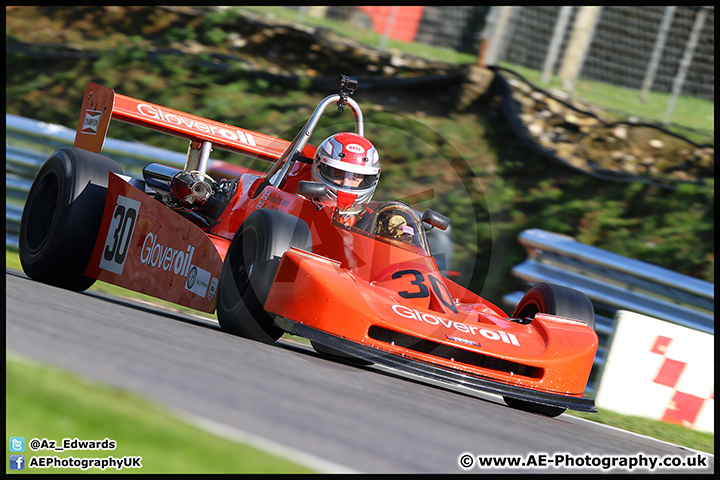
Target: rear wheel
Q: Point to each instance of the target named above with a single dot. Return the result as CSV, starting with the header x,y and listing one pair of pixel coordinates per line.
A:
x,y
62,215
249,269
555,300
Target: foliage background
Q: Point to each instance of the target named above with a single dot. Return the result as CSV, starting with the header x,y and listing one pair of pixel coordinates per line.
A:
x,y
461,161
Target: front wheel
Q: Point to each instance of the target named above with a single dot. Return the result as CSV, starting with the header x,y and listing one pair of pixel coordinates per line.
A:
x,y
249,270
555,300
62,215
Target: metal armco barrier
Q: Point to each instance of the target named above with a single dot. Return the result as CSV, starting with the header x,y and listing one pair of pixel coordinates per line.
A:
x,y
28,143
614,282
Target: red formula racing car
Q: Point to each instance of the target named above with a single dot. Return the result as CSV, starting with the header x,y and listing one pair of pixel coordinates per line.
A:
x,y
271,254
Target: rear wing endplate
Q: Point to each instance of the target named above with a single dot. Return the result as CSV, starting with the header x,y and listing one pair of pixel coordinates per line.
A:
x,y
101,103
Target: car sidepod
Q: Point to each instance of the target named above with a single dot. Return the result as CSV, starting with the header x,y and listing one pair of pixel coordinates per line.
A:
x,y
144,246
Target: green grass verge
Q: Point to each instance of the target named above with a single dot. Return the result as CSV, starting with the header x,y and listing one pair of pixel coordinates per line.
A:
x,y
663,431
677,434
691,112
45,402
366,36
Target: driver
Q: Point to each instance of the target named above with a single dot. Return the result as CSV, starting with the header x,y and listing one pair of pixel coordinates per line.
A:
x,y
393,225
350,167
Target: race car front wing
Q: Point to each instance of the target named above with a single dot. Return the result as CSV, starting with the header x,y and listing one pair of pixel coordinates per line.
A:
x,y
434,372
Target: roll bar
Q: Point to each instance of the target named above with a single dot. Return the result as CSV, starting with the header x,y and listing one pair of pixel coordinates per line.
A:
x,y
277,174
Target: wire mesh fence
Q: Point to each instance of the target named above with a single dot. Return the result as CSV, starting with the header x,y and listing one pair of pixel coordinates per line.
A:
x,y
666,49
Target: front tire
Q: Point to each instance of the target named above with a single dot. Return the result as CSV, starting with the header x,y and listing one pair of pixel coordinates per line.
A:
x,y
555,300
61,218
249,270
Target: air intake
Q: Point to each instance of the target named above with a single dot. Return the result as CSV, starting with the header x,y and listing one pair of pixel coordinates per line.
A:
x,y
455,354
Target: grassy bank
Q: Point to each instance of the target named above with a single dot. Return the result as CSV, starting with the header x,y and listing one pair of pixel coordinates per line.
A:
x,y
466,164
89,411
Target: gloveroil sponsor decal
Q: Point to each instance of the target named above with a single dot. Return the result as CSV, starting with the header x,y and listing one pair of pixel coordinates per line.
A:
x,y
166,258
455,327
153,252
119,235
178,261
91,122
193,124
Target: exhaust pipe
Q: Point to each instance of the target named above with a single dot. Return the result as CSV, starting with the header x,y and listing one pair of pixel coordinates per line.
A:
x,y
188,187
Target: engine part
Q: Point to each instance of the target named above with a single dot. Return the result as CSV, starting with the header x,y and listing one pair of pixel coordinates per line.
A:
x,y
192,188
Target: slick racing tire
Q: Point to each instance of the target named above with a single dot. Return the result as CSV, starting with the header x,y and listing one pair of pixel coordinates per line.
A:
x,y
61,218
249,269
555,300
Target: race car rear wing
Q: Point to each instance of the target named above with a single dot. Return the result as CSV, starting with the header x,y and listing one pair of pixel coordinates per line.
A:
x,y
101,103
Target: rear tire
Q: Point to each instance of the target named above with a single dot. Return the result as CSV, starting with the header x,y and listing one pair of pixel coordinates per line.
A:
x,y
249,270
555,300
62,215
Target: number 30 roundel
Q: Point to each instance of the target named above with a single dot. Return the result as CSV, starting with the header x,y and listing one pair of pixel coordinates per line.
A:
x,y
422,290
119,235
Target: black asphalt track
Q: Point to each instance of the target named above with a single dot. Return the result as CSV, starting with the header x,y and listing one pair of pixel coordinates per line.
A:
x,y
358,418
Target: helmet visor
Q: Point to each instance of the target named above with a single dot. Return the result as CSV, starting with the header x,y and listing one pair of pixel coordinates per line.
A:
x,y
346,180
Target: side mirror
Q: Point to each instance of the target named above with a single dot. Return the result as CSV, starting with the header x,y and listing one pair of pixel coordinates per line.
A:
x,y
433,218
312,189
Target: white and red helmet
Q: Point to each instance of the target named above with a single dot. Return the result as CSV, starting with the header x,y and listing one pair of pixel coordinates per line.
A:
x,y
350,167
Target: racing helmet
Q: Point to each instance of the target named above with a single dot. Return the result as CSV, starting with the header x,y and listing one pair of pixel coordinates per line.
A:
x,y
350,167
